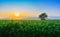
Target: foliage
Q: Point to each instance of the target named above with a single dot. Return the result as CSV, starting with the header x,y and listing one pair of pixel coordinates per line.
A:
x,y
29,28
43,16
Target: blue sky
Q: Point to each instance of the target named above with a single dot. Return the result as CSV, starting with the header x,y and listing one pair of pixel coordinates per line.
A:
x,y
51,7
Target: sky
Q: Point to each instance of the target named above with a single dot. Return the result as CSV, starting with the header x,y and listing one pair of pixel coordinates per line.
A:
x,y
29,8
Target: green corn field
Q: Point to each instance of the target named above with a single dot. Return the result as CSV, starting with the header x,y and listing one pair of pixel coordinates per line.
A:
x,y
29,28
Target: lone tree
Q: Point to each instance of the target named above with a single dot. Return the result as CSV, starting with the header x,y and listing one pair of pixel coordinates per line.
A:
x,y
43,16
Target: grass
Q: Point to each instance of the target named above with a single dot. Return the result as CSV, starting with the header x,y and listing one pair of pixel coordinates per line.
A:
x,y
29,28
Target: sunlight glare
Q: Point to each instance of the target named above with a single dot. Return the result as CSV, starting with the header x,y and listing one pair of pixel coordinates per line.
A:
x,y
17,14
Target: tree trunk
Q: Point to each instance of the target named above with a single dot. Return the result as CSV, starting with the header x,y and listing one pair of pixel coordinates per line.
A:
x,y
43,19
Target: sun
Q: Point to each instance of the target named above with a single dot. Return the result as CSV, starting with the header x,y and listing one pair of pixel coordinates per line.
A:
x,y
17,14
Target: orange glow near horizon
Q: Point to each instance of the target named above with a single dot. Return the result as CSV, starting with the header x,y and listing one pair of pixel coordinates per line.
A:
x,y
16,15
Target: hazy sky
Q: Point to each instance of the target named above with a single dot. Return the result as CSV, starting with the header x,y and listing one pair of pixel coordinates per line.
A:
x,y
29,7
